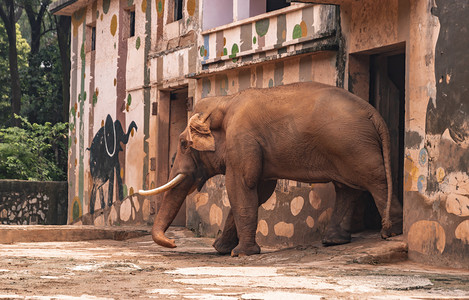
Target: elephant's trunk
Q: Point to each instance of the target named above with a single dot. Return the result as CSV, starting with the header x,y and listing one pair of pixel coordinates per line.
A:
x,y
125,138
172,202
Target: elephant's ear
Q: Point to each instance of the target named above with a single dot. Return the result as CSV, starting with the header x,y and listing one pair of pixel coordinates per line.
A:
x,y
200,135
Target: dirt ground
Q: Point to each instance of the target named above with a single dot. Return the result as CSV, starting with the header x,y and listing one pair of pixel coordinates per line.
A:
x,y
139,269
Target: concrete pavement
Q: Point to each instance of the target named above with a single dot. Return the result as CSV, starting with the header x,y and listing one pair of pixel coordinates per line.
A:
x,y
136,268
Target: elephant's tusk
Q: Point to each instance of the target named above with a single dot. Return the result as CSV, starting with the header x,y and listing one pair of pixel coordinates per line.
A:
x,y
175,181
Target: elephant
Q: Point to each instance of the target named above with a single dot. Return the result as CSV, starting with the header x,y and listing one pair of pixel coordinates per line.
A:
x,y
104,159
308,132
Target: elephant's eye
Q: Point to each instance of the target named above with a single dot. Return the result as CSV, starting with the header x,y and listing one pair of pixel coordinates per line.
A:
x,y
184,144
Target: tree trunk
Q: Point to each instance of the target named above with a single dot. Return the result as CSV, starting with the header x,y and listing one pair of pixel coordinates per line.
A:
x,y
9,20
63,24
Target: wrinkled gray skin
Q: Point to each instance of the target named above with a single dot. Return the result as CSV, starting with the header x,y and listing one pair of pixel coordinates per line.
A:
x,y
307,132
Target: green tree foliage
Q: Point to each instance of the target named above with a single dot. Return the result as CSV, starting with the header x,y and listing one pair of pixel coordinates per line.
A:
x,y
5,88
42,86
33,152
35,148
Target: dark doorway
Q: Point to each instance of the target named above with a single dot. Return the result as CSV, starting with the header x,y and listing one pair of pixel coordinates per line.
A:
x,y
378,76
387,94
177,123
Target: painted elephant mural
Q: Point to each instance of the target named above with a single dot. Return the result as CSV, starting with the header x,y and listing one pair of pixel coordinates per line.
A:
x,y
450,110
104,160
307,132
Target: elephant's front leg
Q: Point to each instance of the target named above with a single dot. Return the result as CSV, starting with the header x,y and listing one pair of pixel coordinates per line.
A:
x,y
244,205
228,240
345,199
110,193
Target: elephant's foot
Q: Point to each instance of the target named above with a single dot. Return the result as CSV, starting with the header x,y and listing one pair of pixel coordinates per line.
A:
x,y
336,236
224,246
396,229
241,250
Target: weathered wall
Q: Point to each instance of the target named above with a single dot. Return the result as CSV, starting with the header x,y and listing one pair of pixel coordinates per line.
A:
x,y
125,86
436,120
33,202
109,117
437,223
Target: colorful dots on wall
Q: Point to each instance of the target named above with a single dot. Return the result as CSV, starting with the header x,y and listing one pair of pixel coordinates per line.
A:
x,y
300,30
129,102
284,229
421,183
216,215
77,19
427,237
203,51
234,52
82,52
77,210
113,25
190,7
73,110
423,156
271,82
296,205
462,232
263,227
106,5
160,7
440,174
262,27
95,96
137,43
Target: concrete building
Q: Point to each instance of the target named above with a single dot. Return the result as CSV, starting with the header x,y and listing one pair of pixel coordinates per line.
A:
x,y
138,66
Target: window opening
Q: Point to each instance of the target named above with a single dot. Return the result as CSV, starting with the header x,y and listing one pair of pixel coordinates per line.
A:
x,y
132,23
93,38
177,10
276,4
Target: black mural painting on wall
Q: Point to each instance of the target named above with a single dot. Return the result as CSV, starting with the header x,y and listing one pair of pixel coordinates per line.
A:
x,y
104,159
450,109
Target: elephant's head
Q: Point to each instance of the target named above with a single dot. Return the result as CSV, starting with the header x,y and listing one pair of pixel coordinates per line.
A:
x,y
200,155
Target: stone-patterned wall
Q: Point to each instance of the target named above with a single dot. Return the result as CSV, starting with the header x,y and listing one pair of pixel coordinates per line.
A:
x,y
296,213
31,202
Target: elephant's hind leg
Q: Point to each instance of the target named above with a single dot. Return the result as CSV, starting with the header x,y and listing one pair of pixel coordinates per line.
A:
x,y
228,240
345,198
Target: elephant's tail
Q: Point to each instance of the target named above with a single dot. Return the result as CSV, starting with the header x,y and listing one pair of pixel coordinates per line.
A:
x,y
383,132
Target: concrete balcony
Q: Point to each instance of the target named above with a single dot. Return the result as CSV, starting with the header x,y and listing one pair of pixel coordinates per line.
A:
x,y
294,30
